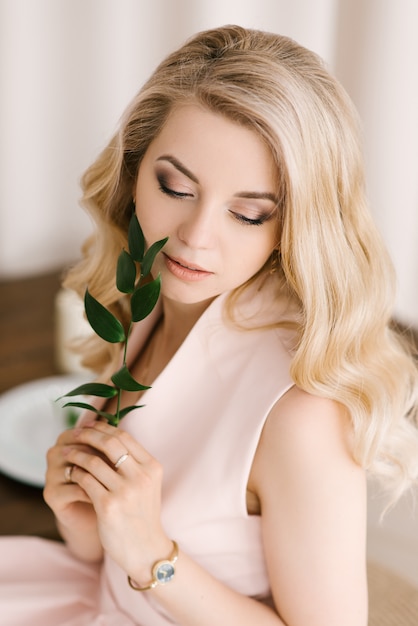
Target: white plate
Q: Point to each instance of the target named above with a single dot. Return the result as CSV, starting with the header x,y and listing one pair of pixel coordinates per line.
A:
x,y
30,422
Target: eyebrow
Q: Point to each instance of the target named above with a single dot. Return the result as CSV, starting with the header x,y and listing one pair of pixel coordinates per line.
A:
x,y
179,166
252,195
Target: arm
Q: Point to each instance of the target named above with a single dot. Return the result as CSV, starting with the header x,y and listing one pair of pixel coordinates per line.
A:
x,y
313,501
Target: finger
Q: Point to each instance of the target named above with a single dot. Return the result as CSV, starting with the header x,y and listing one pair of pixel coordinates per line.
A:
x,y
75,493
91,464
69,435
83,448
108,441
58,497
59,484
127,442
59,470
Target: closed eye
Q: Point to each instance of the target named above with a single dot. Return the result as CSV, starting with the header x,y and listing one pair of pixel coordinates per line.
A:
x,y
248,220
172,192
252,221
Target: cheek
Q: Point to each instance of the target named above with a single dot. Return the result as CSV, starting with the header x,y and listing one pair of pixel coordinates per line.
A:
x,y
146,199
248,260
257,249
147,213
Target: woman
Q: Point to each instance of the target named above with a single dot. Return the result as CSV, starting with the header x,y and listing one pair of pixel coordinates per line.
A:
x,y
237,494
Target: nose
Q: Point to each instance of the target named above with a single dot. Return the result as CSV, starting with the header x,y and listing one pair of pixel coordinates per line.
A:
x,y
199,227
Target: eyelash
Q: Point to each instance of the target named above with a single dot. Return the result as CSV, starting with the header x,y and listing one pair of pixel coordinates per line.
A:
x,y
248,221
178,195
171,192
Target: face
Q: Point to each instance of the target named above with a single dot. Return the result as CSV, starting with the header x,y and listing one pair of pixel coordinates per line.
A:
x,y
209,185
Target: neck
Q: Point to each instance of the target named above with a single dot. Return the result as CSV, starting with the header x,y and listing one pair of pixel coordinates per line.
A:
x,y
179,319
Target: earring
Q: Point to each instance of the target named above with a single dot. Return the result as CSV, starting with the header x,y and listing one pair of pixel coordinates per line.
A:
x,y
274,261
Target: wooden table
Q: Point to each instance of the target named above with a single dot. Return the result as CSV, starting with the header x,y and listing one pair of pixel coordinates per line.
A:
x,y
26,353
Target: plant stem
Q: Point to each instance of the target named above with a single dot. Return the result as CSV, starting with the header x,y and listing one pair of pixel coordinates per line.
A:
x,y
125,350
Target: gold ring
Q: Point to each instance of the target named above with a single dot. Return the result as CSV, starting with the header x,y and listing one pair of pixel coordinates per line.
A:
x,y
121,460
67,473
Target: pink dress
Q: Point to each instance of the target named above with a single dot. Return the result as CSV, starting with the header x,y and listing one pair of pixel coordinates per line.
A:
x,y
202,420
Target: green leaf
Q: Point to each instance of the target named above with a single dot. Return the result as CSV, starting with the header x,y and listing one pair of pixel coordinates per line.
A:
x,y
125,273
150,255
144,299
125,381
102,321
128,409
93,389
89,407
136,239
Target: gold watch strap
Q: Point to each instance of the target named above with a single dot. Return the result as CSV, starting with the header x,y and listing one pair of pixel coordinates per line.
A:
x,y
171,560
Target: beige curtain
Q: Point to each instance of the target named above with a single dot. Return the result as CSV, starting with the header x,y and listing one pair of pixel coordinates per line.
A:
x,y
69,67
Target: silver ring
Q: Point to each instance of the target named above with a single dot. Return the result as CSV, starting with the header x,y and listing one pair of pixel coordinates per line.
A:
x,y
121,460
67,473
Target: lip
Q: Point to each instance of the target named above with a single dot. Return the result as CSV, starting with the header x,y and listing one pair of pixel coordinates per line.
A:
x,y
185,270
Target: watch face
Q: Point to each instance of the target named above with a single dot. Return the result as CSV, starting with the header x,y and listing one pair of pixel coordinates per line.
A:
x,y
164,572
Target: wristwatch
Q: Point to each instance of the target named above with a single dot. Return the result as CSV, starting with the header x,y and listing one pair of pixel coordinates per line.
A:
x,y
162,571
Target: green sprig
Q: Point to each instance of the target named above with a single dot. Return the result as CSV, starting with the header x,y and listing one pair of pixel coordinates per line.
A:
x,y
144,297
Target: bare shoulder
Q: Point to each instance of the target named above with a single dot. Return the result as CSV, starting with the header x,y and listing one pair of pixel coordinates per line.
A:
x,y
303,429
312,497
305,454
297,411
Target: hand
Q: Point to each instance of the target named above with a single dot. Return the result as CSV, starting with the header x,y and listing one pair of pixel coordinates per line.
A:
x,y
126,499
69,502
